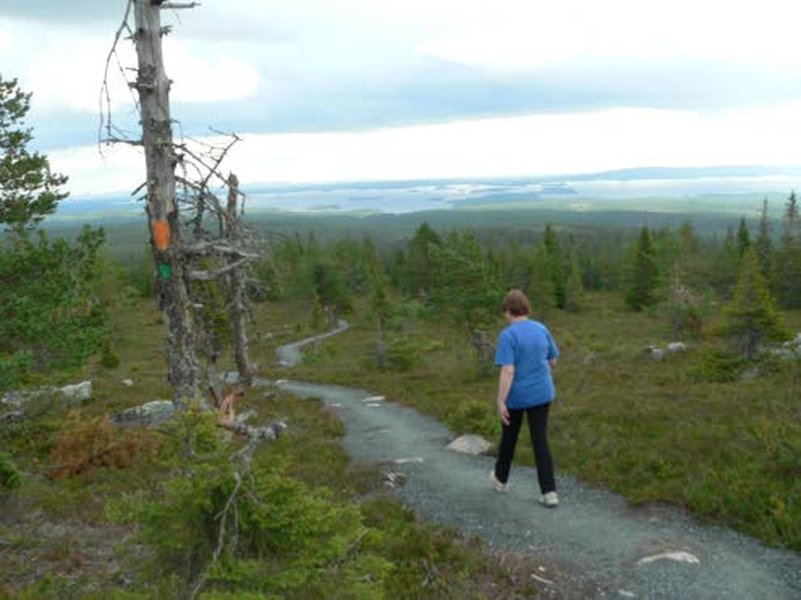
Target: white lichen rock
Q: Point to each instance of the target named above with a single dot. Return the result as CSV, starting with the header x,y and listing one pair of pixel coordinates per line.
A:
x,y
470,444
676,347
150,413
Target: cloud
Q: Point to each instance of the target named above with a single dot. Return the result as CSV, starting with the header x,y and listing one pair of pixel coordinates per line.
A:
x,y
84,11
519,35
527,145
312,66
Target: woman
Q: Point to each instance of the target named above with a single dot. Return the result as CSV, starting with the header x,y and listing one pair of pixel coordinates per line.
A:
x,y
526,353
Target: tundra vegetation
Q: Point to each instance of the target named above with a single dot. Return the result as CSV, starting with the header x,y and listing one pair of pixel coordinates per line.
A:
x,y
94,510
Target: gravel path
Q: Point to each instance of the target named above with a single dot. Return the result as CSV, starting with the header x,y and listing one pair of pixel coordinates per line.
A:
x,y
593,545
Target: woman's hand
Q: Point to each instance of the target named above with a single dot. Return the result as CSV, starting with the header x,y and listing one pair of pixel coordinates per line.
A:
x,y
503,412
504,385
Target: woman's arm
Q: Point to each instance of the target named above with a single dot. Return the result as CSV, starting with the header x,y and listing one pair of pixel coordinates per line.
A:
x,y
504,385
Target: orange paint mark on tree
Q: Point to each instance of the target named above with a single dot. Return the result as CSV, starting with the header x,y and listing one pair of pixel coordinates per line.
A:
x,y
161,234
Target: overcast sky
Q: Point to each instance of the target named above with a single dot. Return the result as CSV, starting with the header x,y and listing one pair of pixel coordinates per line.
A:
x,y
373,89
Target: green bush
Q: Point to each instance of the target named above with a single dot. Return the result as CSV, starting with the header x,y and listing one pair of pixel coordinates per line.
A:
x,y
139,274
278,536
10,477
51,316
719,367
396,352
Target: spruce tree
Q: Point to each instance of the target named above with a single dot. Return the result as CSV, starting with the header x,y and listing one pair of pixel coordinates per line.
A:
x,y
644,273
540,287
743,238
555,266
379,296
788,258
763,245
574,292
418,264
752,316
726,265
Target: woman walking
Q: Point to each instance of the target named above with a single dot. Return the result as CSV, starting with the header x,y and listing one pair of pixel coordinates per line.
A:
x,y
526,352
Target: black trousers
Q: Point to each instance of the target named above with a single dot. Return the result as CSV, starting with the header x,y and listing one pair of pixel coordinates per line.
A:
x,y
538,428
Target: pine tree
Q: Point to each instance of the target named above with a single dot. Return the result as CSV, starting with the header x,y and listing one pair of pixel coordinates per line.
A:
x,y
752,316
28,190
644,277
464,286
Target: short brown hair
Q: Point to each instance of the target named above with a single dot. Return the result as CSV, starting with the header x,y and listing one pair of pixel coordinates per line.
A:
x,y
516,304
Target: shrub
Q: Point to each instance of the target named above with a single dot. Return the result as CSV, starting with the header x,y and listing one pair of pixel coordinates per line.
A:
x,y
396,352
50,314
686,311
10,477
719,366
217,523
83,445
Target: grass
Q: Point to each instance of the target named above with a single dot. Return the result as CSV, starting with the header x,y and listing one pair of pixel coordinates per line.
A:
x,y
57,538
669,431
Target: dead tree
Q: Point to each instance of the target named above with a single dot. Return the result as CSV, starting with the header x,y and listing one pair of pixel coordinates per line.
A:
x,y
485,352
153,88
181,204
237,309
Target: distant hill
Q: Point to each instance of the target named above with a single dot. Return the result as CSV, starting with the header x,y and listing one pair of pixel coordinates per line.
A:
x,y
738,185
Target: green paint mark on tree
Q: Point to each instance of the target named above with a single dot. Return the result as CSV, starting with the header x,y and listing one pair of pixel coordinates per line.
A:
x,y
165,271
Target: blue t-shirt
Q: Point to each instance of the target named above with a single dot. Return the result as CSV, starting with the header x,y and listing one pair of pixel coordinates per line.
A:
x,y
528,346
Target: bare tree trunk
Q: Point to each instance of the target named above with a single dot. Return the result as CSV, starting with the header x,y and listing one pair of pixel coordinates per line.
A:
x,y
237,308
162,210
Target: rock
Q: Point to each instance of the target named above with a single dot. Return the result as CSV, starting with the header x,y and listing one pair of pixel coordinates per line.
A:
x,y
750,374
394,479
148,414
787,353
14,415
17,398
243,417
654,352
676,347
681,556
73,394
470,444
80,392
230,378
127,382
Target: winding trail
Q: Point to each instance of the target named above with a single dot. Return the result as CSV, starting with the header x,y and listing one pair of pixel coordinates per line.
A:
x,y
593,545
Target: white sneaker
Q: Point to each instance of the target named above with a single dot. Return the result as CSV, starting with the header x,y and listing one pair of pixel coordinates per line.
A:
x,y
499,486
551,500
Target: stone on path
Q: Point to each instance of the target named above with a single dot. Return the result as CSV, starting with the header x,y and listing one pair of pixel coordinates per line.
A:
x,y
684,557
470,444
